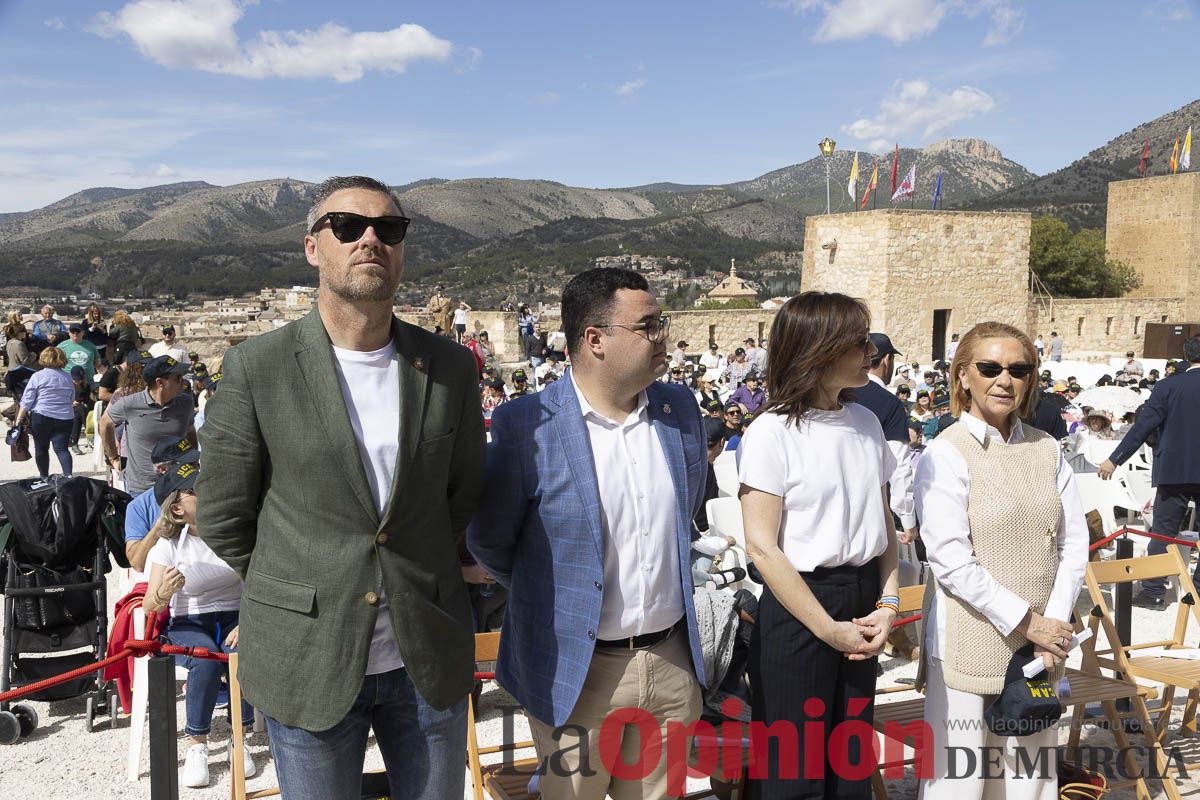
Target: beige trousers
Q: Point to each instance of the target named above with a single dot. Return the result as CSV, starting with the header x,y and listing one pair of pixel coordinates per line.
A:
x,y
995,768
658,680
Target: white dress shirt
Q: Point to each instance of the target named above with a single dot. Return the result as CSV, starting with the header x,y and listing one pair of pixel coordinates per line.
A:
x,y
642,586
943,487
900,485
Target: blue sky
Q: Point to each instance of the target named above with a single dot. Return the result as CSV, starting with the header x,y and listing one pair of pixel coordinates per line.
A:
x,y
142,92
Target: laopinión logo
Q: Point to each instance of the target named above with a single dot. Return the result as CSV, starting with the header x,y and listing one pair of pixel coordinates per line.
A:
x,y
851,749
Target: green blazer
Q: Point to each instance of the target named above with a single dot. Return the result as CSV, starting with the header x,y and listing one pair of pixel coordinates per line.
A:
x,y
283,498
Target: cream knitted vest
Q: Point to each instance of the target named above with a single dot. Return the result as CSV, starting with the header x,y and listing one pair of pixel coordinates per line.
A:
x,y
1014,511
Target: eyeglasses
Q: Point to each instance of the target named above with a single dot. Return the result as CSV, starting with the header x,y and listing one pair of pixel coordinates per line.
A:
x,y
655,330
990,369
349,227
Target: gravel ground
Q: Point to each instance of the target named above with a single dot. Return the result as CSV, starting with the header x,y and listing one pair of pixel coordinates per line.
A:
x,y
61,760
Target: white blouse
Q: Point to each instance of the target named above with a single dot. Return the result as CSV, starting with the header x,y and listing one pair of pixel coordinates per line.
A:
x,y
942,489
829,470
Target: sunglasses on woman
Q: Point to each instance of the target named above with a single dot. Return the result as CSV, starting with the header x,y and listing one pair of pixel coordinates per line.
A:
x,y
348,227
990,369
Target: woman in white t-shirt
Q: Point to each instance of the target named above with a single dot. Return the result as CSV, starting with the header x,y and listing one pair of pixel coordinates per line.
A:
x,y
460,320
813,467
204,595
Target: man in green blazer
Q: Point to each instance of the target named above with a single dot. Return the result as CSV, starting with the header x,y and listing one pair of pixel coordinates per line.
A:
x,y
343,459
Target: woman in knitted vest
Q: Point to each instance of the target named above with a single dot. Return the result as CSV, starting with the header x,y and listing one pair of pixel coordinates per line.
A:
x,y
814,468
1007,545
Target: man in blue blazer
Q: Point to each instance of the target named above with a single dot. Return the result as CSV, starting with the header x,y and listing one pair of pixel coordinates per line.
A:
x,y
590,489
1173,411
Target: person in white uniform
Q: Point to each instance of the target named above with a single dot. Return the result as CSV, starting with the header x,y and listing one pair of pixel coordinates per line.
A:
x,y
1006,540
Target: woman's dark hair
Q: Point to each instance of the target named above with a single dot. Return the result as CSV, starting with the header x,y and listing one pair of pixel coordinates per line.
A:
x,y
588,297
810,333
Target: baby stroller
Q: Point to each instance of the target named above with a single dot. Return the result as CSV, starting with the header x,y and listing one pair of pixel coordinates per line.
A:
x,y
54,546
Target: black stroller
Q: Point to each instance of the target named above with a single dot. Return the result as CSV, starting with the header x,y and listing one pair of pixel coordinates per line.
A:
x,y
54,547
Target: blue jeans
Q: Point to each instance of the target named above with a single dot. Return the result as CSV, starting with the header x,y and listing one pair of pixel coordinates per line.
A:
x,y
423,749
204,675
47,432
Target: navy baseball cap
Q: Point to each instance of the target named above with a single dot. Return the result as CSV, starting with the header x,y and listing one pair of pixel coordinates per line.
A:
x,y
210,383
180,477
883,345
161,367
138,356
172,449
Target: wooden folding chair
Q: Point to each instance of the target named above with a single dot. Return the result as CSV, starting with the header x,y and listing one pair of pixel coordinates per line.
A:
x,y
508,780
1124,659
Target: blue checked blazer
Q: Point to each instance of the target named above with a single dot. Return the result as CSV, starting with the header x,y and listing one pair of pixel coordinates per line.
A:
x,y
537,530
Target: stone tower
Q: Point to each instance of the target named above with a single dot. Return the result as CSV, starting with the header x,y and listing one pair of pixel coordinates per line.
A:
x,y
1154,226
924,274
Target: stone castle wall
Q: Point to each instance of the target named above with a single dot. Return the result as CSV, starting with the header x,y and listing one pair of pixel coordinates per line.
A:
x,y
1154,226
909,264
1102,327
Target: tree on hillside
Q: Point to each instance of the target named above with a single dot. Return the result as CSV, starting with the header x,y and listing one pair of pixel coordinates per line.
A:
x,y
1075,264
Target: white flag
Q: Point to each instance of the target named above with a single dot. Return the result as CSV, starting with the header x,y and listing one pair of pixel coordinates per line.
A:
x,y
905,189
852,185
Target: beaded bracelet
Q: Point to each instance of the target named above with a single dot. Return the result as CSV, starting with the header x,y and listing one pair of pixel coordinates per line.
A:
x,y
889,601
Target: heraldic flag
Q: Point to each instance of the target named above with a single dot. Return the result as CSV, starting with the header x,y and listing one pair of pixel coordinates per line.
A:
x,y
1185,158
871,185
852,184
905,190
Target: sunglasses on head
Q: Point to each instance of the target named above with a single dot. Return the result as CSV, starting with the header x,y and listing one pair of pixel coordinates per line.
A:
x,y
990,369
349,227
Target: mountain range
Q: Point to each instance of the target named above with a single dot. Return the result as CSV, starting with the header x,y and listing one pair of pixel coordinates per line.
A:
x,y
492,238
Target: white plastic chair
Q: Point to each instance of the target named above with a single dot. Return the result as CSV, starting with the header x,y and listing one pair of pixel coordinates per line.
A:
x,y
727,477
141,694
725,518
1103,497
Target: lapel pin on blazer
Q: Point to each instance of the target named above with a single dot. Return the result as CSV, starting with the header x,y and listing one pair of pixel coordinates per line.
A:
x,y
666,408
419,363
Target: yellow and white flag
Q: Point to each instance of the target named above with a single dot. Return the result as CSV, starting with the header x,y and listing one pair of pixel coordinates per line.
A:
x,y
852,184
1185,159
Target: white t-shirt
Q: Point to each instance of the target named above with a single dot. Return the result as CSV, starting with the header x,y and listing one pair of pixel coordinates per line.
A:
x,y
829,470
175,351
460,316
210,584
371,388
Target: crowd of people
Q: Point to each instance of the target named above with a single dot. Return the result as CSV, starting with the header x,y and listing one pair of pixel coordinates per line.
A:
x,y
373,493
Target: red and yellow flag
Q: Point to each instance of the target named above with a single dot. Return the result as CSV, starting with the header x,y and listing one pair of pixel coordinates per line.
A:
x,y
871,185
1175,156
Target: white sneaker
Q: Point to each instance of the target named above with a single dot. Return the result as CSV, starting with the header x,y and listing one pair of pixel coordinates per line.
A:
x,y
248,762
195,766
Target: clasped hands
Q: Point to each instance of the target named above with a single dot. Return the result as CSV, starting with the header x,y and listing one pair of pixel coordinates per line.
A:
x,y
862,637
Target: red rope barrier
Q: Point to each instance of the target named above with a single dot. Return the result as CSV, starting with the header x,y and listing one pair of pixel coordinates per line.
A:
x,y
906,620
133,647
1122,531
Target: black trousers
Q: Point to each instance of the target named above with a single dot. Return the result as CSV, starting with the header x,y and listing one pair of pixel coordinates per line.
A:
x,y
790,667
1170,505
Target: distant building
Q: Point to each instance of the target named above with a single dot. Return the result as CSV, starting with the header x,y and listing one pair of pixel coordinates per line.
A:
x,y
732,288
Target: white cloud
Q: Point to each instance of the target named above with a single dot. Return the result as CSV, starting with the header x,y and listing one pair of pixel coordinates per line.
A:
x,y
900,21
630,88
915,107
1169,10
163,171
55,23
547,98
200,34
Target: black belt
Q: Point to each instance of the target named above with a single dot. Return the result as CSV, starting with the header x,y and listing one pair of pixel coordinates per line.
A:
x,y
639,642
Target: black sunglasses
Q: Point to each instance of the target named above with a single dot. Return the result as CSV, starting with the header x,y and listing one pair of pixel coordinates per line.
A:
x,y
349,227
990,369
